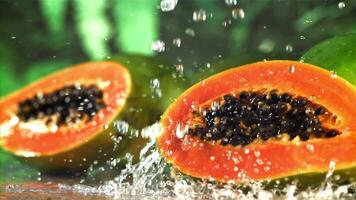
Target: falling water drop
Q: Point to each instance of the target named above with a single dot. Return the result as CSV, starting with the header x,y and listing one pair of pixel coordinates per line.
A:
x,y
190,32
156,91
155,83
168,5
199,15
231,2
39,178
180,69
238,13
208,65
177,42
333,75
341,5
158,46
181,130
332,166
292,69
310,147
289,48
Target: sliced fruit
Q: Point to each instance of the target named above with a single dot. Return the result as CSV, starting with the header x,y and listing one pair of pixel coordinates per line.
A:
x,y
65,121
262,121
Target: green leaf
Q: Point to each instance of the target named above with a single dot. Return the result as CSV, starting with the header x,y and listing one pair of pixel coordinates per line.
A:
x,y
336,54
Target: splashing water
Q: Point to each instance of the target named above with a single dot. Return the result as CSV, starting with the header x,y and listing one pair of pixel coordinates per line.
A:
x,y
153,178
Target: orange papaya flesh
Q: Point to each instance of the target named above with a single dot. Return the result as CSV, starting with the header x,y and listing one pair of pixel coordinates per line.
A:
x,y
83,134
273,158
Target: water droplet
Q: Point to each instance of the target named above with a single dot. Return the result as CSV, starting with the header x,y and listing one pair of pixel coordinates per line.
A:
x,y
292,69
13,37
266,168
247,151
155,83
215,106
308,21
231,2
122,126
235,169
333,75
180,69
259,161
235,159
177,42
168,5
208,65
238,13
181,130
310,147
341,5
212,158
302,37
332,166
199,15
257,153
158,46
190,32
289,48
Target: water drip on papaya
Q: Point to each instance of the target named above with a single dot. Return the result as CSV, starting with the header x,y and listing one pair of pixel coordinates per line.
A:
x,y
254,116
69,105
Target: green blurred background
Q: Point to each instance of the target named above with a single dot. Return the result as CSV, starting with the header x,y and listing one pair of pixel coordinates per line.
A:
x,y
39,37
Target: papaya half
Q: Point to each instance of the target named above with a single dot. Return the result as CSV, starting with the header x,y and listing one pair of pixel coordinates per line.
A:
x,y
67,120
262,121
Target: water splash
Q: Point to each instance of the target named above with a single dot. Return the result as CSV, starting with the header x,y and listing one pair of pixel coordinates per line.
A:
x,y
153,178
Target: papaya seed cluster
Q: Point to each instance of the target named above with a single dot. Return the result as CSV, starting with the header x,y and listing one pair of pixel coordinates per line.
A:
x,y
251,115
68,104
